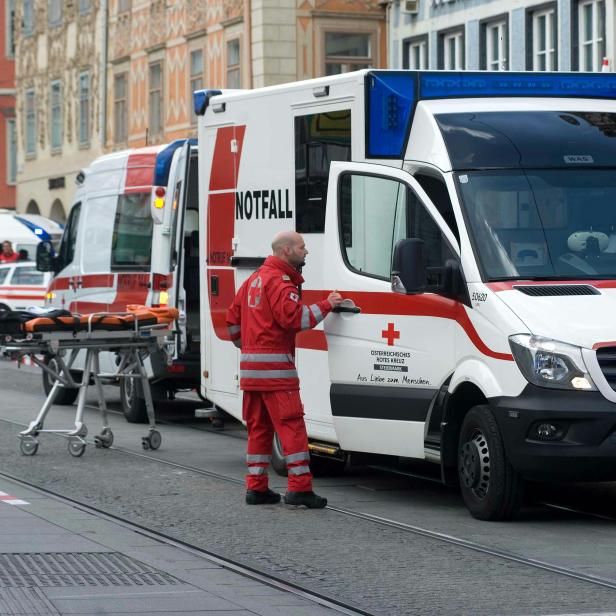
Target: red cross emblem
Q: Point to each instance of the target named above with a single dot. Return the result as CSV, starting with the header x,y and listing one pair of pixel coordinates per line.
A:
x,y
254,293
391,334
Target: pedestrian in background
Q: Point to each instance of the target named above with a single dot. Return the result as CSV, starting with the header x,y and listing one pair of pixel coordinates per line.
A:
x,y
263,320
8,255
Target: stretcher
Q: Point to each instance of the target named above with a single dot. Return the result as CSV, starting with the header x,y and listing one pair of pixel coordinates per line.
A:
x,y
131,335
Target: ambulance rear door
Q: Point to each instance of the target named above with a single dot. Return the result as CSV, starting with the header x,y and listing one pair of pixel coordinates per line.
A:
x,y
388,353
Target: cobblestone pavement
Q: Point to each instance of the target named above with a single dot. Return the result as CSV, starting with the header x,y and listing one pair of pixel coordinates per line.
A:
x,y
385,570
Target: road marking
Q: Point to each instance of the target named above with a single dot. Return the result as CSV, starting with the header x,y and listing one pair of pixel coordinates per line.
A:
x,y
11,500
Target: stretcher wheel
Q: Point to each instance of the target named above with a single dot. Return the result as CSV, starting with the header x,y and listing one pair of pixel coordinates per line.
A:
x,y
152,440
28,445
104,439
76,447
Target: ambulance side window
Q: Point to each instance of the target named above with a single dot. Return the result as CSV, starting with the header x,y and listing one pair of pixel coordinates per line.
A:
x,y
319,139
131,247
66,252
436,189
373,217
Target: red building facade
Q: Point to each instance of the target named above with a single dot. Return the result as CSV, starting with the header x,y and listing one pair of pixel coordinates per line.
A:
x,y
8,127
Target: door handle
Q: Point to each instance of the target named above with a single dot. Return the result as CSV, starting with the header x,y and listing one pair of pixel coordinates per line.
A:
x,y
351,309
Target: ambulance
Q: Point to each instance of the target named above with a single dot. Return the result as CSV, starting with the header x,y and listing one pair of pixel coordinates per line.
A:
x,y
26,231
469,219
132,238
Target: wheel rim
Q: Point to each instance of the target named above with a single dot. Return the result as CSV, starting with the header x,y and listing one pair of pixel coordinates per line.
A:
x,y
475,464
52,365
129,392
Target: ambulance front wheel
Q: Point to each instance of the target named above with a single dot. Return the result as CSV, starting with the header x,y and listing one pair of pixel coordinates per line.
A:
x,y
491,488
66,395
133,402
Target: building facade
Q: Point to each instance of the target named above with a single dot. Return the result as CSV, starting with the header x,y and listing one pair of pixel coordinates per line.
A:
x,y
160,51
60,59
518,35
8,127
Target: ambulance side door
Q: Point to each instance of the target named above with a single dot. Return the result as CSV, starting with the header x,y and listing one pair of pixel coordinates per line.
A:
x,y
388,353
65,284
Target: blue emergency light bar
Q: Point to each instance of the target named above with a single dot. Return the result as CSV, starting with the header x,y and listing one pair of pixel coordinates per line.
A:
x,y
201,99
393,95
38,231
164,158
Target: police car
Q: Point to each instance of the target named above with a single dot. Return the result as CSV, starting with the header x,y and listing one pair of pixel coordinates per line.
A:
x,y
21,285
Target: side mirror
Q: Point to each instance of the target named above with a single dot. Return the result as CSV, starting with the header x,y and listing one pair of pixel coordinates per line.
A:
x,y
45,257
408,272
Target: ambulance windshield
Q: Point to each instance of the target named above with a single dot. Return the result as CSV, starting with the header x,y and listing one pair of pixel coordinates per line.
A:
x,y
539,190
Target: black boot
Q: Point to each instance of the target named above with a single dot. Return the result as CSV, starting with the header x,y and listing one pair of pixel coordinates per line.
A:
x,y
308,499
262,498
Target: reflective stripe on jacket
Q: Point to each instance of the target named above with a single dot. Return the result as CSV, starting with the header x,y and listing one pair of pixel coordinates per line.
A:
x,y
263,320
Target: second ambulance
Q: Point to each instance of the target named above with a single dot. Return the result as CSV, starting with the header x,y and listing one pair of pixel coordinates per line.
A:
x,y
469,219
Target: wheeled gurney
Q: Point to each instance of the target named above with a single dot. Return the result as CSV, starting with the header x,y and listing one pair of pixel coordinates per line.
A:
x,y
131,335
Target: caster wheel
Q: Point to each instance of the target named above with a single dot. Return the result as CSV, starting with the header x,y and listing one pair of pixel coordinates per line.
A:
x,y
145,442
155,439
76,448
104,439
28,446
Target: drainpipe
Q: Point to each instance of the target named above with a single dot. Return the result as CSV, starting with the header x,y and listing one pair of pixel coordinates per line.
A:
x,y
103,73
248,9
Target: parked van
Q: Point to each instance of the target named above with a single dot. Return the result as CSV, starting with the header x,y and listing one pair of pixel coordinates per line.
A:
x,y
26,231
468,220
132,238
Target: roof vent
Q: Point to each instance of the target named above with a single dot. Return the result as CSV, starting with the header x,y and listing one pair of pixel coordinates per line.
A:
x,y
550,290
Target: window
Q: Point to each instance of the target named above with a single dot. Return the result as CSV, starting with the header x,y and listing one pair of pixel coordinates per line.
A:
x,y
451,46
543,30
54,16
347,51
591,34
84,108
496,57
436,189
132,233
69,238
120,108
56,115
28,18
85,6
30,122
319,139
234,78
27,275
10,28
11,143
416,54
123,6
196,80
156,99
4,273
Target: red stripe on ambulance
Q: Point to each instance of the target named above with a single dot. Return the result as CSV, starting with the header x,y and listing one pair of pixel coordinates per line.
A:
x,y
140,170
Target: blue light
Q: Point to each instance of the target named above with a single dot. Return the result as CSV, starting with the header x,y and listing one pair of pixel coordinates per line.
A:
x,y
163,161
201,100
38,231
390,102
487,84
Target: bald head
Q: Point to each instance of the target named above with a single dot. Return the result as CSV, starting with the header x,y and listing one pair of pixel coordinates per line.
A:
x,y
290,247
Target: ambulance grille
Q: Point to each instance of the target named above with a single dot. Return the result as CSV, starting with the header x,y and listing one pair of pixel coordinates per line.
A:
x,y
550,290
607,362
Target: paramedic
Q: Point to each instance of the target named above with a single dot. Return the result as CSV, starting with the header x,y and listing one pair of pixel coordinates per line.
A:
x,y
8,255
263,320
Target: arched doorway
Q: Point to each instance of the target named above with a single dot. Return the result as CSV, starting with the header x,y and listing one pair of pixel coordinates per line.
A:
x,y
33,208
57,212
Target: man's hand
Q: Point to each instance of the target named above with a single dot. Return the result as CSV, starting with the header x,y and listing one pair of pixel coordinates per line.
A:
x,y
334,299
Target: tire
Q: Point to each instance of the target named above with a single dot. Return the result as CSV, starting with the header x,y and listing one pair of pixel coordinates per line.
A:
x,y
133,402
67,395
491,488
278,463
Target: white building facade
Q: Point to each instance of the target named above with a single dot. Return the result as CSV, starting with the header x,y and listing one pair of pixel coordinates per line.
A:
x,y
517,35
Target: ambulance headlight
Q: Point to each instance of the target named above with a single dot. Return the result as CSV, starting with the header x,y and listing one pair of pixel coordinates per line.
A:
x,y
550,363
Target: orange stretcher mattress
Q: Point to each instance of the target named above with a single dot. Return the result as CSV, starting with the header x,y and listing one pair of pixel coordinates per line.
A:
x,y
105,322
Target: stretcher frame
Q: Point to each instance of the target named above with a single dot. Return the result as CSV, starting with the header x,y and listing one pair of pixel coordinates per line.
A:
x,y
132,347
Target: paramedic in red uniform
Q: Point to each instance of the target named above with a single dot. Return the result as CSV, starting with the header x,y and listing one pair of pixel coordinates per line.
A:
x,y
8,255
263,320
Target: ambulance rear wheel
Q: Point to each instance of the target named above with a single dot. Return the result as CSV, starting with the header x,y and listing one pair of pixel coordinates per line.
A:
x,y
279,464
66,395
133,402
491,488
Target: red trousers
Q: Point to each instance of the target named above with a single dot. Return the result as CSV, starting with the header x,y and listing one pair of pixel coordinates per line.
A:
x,y
282,411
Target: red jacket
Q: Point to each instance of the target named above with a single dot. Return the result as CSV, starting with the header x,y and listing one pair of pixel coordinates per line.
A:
x,y
263,320
9,258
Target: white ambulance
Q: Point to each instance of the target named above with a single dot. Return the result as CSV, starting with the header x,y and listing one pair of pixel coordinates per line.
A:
x,y
132,238
26,231
470,221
